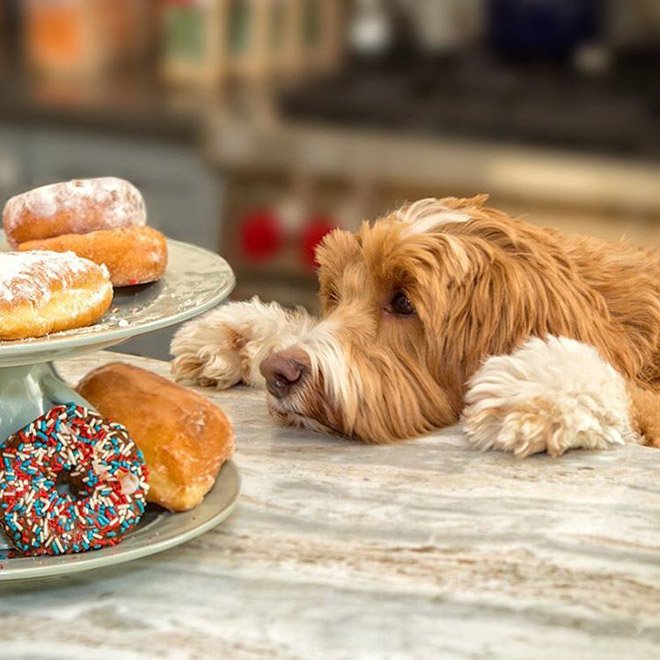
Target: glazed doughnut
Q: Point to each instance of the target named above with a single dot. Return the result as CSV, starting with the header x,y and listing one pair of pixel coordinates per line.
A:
x,y
73,207
105,472
133,255
44,292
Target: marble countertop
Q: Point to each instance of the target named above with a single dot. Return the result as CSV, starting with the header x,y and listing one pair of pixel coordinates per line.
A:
x,y
424,549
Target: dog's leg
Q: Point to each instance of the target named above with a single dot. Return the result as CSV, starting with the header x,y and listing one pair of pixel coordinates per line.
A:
x,y
646,412
227,345
550,395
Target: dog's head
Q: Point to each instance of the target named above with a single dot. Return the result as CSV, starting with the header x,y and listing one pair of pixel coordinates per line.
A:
x,y
410,305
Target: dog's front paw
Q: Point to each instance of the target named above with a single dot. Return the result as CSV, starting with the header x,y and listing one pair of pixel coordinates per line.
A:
x,y
550,395
226,346
523,429
207,351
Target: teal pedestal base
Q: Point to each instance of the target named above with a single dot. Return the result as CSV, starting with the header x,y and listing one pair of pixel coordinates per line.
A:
x,y
27,392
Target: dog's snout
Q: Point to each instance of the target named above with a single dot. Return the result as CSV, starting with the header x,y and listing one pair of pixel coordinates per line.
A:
x,y
282,372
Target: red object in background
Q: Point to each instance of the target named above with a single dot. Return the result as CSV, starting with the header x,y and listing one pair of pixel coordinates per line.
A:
x,y
312,235
261,235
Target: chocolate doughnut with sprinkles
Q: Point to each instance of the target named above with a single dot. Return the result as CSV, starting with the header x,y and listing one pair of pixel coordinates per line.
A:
x,y
70,482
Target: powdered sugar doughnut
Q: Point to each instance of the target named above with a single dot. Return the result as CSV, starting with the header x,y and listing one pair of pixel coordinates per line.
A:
x,y
103,468
44,292
73,207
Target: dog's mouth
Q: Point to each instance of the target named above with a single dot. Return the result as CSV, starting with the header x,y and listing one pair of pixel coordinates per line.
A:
x,y
288,413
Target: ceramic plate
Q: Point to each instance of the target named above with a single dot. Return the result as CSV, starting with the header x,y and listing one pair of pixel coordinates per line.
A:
x,y
158,530
196,280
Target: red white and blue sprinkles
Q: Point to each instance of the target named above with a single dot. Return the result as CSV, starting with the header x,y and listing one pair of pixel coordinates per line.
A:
x,y
105,470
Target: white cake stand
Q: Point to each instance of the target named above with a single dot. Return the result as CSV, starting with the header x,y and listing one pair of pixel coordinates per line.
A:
x,y
195,281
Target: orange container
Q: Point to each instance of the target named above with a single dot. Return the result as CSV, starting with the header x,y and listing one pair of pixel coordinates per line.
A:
x,y
79,36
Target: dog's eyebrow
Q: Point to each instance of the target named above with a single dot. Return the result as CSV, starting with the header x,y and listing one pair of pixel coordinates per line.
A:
x,y
427,214
431,222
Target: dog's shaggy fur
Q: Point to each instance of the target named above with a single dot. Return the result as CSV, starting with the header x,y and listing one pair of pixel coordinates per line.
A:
x,y
448,310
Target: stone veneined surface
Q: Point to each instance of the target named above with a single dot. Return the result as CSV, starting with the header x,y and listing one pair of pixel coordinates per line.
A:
x,y
422,549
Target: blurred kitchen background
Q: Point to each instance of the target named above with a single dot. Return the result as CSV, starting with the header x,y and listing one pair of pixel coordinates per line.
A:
x,y
255,126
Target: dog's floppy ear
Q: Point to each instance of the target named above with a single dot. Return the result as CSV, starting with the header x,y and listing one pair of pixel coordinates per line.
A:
x,y
336,250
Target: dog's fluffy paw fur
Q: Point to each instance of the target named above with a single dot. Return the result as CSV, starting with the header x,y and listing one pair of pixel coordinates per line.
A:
x,y
550,395
227,345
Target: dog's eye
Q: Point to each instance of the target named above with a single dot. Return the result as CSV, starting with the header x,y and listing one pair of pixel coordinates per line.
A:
x,y
400,305
331,297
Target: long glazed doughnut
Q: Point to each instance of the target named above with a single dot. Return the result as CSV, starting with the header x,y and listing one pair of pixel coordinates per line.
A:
x,y
184,437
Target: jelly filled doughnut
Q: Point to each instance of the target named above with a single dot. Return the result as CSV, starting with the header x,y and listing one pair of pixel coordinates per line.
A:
x,y
133,255
44,292
103,468
73,207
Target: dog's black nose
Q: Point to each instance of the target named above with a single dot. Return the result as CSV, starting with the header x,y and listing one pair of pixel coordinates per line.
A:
x,y
282,373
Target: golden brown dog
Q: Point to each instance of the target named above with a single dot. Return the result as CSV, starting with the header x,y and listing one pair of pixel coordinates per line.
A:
x,y
447,310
